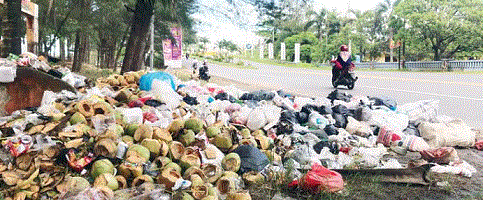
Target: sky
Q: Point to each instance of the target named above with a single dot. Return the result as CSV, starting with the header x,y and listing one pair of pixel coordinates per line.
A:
x,y
216,27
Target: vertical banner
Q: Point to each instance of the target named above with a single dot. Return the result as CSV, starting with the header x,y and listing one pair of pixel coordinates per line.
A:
x,y
172,51
282,51
262,49
297,53
270,51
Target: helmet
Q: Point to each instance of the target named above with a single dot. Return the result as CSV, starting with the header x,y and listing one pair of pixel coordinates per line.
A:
x,y
344,48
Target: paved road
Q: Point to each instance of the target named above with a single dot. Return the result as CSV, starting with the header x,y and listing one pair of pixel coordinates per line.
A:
x,y
460,95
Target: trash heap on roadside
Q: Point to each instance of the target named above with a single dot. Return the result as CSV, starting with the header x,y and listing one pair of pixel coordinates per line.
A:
x,y
150,136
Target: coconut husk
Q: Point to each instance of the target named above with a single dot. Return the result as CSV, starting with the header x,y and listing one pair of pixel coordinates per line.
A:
x,y
176,150
74,143
212,172
106,148
162,134
141,179
122,182
239,195
194,170
168,177
85,108
143,132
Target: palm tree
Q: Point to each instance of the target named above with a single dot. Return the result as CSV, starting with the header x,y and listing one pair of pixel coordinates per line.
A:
x,y
319,21
12,28
384,12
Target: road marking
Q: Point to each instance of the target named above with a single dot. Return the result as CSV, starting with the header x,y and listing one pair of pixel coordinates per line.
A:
x,y
424,93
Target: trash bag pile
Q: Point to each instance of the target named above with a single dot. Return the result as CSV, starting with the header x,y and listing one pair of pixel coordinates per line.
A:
x,y
150,136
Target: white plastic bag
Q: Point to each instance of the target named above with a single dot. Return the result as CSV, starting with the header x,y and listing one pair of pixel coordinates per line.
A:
x,y
358,128
164,92
256,119
390,119
132,115
420,111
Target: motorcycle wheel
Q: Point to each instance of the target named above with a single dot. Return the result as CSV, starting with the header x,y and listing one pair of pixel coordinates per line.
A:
x,y
334,84
351,86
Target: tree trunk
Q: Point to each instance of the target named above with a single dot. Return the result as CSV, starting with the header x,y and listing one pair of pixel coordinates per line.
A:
x,y
12,29
62,49
134,58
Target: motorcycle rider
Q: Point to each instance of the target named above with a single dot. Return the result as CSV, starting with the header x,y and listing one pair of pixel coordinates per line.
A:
x,y
343,62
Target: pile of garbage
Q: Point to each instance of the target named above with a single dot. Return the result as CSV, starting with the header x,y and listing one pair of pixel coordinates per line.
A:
x,y
150,136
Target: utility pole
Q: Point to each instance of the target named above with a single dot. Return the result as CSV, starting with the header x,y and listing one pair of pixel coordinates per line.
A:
x,y
151,48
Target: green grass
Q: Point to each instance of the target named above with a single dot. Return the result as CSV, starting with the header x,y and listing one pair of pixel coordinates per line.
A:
x,y
234,65
285,63
94,72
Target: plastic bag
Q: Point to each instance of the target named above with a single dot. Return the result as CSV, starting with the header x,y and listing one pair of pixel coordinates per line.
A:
x,y
387,137
256,119
414,143
317,121
320,179
451,134
358,128
132,115
304,155
392,120
163,92
462,168
252,159
420,111
443,155
272,115
147,81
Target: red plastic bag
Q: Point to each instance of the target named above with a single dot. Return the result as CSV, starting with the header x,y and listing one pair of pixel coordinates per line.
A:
x,y
387,137
479,145
320,179
442,155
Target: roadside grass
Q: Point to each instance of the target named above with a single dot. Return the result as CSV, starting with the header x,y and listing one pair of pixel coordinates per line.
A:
x,y
94,73
326,67
239,65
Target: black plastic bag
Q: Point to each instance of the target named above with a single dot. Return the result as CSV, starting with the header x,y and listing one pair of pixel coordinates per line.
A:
x,y
325,110
385,101
190,100
252,159
333,147
412,129
55,73
340,109
336,95
302,118
340,120
284,127
288,115
309,108
153,103
331,130
363,114
221,96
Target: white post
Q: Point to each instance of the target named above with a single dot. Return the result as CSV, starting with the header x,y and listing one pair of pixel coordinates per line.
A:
x,y
297,53
262,51
282,51
270,51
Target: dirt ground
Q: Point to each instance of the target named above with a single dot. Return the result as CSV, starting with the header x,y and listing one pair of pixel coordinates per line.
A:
x,y
366,187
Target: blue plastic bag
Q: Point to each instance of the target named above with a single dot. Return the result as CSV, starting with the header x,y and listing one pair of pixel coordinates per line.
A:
x,y
146,81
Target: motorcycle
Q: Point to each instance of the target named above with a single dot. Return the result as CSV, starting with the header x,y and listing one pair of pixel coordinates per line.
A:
x,y
203,72
344,77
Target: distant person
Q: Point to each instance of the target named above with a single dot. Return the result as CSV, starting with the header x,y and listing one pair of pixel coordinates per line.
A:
x,y
187,56
342,63
471,58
